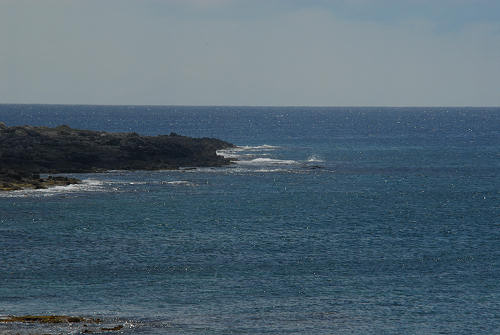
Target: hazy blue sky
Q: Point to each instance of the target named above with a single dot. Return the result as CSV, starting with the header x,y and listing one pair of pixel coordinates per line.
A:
x,y
251,52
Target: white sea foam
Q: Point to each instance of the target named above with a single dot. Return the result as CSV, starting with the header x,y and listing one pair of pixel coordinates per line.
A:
x,y
252,158
245,169
269,170
87,185
267,161
259,147
179,183
238,152
228,154
315,159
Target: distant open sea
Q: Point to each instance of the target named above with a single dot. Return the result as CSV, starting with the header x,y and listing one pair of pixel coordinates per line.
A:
x,y
333,221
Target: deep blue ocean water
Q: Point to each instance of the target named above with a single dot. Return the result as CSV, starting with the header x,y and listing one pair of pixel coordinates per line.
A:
x,y
334,221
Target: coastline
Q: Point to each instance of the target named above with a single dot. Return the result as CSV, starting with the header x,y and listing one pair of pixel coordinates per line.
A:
x,y
7,183
55,324
27,151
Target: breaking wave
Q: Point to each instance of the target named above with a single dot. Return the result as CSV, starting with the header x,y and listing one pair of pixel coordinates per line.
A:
x,y
267,161
266,158
179,183
239,151
87,185
314,159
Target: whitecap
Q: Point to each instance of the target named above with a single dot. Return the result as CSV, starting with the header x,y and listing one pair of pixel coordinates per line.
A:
x,y
179,183
269,170
87,185
267,161
124,182
244,152
230,154
314,159
259,147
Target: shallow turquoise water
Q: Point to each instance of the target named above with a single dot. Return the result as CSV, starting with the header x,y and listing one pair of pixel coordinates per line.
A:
x,y
362,221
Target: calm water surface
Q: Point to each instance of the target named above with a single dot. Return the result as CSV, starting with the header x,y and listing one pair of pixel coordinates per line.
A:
x,y
333,221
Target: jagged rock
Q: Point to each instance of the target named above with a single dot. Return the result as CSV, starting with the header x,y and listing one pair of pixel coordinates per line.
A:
x,y
27,151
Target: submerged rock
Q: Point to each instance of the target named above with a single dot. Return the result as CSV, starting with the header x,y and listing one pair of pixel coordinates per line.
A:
x,y
115,328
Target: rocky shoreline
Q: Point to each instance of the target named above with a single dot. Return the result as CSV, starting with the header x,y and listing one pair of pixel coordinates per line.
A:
x,y
48,319
82,325
28,151
15,182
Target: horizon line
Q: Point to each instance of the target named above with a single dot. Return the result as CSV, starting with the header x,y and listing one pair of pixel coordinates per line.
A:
x,y
252,106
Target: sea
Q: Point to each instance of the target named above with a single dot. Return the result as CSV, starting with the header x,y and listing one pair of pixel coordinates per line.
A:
x,y
331,220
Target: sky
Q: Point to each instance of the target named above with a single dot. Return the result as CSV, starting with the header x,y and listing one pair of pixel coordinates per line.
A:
x,y
251,52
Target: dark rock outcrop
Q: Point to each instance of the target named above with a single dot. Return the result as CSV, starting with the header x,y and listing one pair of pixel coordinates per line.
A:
x,y
27,151
47,319
64,323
